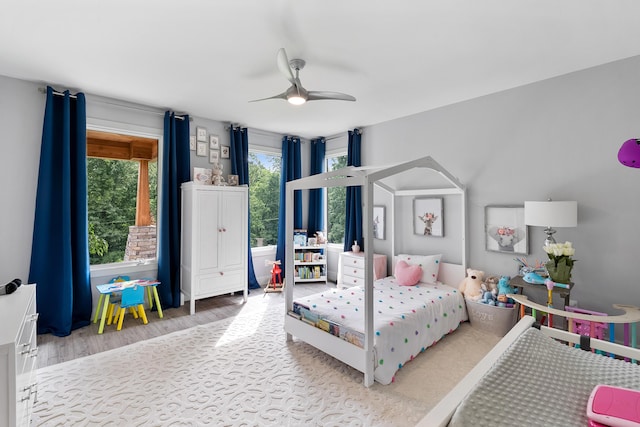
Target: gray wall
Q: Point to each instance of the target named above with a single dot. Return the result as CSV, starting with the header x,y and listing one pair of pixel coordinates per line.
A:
x,y
557,138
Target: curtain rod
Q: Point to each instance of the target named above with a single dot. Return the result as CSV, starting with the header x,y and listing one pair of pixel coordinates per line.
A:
x,y
180,117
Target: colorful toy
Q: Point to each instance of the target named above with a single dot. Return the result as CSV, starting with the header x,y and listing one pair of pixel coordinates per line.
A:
x,y
488,297
505,288
533,278
471,286
275,284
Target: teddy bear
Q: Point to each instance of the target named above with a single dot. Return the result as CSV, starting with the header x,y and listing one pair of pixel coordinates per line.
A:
x,y
471,286
491,284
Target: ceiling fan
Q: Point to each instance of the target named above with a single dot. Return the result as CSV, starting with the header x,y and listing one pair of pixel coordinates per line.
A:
x,y
296,94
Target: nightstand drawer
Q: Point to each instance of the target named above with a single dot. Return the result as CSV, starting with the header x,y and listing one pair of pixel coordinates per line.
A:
x,y
349,281
353,271
349,262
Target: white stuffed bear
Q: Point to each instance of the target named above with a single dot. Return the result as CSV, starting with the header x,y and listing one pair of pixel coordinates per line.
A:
x,y
471,286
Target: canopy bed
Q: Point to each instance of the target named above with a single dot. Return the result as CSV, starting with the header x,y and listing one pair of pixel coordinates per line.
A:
x,y
353,337
532,377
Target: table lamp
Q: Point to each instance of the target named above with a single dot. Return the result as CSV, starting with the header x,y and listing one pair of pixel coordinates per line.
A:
x,y
551,214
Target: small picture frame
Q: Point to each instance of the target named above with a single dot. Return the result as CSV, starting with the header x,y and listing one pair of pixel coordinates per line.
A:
x,y
505,230
192,143
214,156
232,179
378,222
224,151
202,149
201,134
214,142
427,216
202,176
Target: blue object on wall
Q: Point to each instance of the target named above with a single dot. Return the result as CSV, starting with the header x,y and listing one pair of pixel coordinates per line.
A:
x,y
239,141
60,247
176,166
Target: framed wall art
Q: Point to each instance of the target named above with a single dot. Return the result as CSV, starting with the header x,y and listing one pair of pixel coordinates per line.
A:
x,y
378,222
224,151
214,142
201,134
505,230
214,156
427,216
192,143
202,149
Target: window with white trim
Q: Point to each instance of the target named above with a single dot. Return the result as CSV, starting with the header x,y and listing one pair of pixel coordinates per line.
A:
x,y
335,205
264,196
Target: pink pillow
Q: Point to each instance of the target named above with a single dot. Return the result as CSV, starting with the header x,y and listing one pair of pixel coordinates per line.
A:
x,y
407,275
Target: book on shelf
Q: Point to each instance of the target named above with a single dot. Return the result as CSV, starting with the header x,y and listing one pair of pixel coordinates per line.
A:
x,y
300,237
294,314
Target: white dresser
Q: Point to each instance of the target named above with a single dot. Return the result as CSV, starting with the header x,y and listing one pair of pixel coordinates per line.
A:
x,y
214,251
351,268
18,354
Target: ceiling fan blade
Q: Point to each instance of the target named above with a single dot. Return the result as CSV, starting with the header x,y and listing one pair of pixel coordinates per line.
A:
x,y
282,95
319,95
283,65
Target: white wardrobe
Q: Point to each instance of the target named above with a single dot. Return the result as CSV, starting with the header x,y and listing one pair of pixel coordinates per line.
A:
x,y
214,241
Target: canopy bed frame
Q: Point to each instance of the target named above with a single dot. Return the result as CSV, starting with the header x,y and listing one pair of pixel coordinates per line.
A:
x,y
405,179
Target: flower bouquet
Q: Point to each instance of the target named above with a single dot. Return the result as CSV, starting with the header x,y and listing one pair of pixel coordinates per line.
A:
x,y
560,262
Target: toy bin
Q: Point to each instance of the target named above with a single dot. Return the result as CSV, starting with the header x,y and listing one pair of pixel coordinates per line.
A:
x,y
491,318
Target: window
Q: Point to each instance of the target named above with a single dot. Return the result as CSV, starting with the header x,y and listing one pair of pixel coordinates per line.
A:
x,y
336,202
122,183
264,196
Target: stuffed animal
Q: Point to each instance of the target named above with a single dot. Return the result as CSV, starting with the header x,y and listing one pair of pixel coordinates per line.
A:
x,y
505,288
491,284
488,296
471,286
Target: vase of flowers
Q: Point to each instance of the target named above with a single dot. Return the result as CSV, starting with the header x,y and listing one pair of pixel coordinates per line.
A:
x,y
560,261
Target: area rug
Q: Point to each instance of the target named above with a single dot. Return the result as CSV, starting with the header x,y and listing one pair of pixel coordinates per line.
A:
x,y
239,372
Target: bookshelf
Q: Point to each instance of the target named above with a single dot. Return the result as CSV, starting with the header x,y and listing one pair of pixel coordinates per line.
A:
x,y
310,263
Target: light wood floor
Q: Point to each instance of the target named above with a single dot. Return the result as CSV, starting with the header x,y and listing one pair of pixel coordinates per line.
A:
x,y
85,341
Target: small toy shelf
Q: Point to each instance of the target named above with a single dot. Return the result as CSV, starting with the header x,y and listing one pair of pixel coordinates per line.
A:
x,y
310,263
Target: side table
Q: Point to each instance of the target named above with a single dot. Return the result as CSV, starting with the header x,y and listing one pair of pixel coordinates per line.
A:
x,y
351,268
518,282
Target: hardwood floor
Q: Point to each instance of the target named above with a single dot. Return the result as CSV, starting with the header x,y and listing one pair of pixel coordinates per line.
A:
x,y
86,341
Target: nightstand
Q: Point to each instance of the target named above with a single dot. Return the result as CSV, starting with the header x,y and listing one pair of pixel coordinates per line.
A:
x,y
351,268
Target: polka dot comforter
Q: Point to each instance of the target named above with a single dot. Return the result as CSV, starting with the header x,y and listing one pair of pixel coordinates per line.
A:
x,y
407,319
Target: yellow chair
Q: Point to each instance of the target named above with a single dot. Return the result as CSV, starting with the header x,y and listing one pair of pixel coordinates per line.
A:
x,y
133,298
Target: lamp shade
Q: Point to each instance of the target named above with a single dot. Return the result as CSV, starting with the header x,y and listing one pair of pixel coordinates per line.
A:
x,y
551,214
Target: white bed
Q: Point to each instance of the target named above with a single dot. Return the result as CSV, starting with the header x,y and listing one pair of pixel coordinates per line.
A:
x,y
407,319
364,358
530,378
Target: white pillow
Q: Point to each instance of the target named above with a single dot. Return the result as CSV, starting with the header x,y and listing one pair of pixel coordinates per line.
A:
x,y
430,265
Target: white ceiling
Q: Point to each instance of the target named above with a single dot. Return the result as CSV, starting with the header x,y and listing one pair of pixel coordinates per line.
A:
x,y
209,58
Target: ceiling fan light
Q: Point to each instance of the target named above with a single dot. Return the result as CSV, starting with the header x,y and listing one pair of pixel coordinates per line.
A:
x,y
296,100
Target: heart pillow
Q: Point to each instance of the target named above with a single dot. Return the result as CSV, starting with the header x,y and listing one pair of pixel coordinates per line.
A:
x,y
407,275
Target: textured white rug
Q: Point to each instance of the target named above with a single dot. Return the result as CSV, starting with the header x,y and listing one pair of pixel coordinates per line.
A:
x,y
236,372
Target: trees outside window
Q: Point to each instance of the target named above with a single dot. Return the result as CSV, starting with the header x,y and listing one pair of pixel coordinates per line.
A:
x,y
122,194
336,209
264,197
